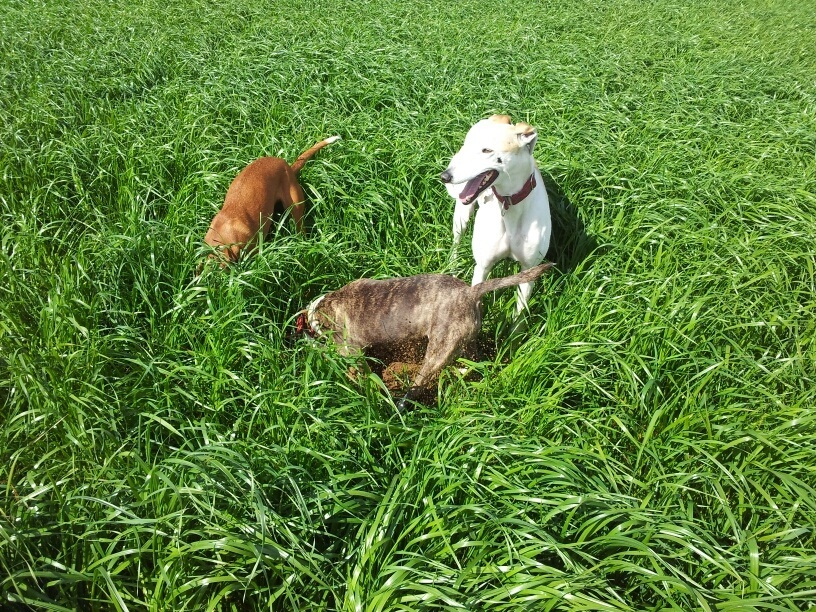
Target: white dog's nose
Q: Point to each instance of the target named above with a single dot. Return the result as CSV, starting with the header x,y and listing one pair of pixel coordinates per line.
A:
x,y
446,176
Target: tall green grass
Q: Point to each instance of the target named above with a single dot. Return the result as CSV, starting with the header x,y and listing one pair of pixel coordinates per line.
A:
x,y
646,444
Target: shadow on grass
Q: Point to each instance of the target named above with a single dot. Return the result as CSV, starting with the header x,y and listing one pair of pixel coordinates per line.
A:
x,y
570,243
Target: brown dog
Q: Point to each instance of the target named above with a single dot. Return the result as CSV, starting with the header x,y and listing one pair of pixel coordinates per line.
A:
x,y
400,312
252,198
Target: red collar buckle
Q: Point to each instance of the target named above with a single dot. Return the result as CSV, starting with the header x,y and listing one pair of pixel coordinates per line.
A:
x,y
302,325
511,200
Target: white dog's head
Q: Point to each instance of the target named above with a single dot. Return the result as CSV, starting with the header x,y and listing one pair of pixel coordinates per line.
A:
x,y
495,151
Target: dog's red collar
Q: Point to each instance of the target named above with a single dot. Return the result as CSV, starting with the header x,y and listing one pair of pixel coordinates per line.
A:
x,y
307,321
302,325
510,200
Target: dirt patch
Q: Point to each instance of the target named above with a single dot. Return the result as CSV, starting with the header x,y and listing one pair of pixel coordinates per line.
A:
x,y
398,366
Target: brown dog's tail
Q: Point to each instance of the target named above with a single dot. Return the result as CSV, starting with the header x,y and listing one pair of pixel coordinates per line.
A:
x,y
309,153
525,276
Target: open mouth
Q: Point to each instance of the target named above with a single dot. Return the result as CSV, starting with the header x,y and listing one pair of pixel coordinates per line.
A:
x,y
477,185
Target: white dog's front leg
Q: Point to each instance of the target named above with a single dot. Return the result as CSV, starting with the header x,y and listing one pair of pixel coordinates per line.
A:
x,y
490,244
461,216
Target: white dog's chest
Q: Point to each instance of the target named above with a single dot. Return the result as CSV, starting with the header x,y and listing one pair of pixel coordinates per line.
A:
x,y
509,230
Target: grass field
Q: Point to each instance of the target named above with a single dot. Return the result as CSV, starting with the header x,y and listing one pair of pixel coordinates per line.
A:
x,y
648,444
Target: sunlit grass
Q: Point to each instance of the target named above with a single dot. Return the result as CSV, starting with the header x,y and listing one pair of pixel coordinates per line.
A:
x,y
646,444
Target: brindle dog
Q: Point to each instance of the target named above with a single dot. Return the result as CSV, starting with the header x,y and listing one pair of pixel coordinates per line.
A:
x,y
438,309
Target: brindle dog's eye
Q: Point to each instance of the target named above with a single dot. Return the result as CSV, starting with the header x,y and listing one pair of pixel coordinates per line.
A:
x,y
487,150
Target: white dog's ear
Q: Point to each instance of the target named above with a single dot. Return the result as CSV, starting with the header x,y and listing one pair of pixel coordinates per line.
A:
x,y
527,135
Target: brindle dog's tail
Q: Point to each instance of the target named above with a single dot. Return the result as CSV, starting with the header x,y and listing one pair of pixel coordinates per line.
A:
x,y
309,153
526,276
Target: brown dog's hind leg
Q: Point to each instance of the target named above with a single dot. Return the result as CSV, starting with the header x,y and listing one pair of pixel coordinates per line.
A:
x,y
298,206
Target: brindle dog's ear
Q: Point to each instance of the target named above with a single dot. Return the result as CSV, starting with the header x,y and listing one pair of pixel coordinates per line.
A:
x,y
500,119
527,135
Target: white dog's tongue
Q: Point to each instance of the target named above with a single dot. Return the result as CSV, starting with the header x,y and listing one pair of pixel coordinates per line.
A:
x,y
477,185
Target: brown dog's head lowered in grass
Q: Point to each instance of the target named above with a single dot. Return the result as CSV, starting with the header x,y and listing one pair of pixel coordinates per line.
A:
x,y
264,185
438,309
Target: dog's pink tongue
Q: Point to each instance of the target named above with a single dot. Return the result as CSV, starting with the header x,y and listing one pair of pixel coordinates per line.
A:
x,y
477,185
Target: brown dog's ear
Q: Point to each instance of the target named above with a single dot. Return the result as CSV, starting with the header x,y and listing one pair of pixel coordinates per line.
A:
x,y
500,119
527,135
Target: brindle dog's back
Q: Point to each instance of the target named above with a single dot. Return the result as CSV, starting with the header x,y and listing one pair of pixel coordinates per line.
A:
x,y
394,310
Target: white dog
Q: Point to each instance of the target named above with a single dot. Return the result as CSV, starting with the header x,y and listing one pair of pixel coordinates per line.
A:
x,y
495,167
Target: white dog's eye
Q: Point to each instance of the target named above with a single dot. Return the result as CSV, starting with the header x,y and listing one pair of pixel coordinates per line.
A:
x,y
487,151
